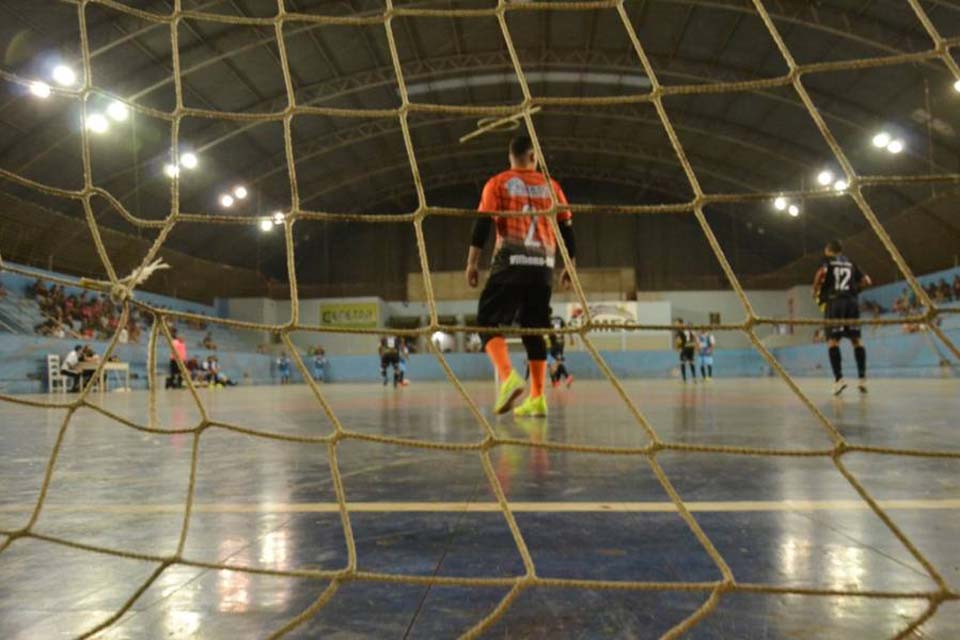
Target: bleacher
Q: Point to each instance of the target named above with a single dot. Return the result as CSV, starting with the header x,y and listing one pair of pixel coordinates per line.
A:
x,y
21,314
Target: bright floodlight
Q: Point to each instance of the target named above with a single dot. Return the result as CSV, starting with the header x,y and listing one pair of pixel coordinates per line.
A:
x,y
98,123
266,224
226,200
793,210
171,170
40,89
881,140
278,217
240,192
64,75
956,86
840,185
118,111
825,177
780,203
188,160
895,146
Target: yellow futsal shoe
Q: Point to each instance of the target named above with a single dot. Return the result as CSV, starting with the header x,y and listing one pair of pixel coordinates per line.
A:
x,y
532,408
510,390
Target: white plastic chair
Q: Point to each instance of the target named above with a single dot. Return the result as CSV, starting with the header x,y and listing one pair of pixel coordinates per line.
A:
x,y
55,379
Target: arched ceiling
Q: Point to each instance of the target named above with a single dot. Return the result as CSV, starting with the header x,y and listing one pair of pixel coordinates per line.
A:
x,y
736,142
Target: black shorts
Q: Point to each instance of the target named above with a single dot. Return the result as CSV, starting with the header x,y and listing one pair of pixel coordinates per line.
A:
x,y
686,354
503,304
556,353
389,359
842,309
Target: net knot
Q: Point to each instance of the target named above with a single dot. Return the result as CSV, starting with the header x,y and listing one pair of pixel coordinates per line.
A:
x,y
121,290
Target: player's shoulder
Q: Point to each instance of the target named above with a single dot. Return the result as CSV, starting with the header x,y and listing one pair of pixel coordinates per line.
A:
x,y
502,177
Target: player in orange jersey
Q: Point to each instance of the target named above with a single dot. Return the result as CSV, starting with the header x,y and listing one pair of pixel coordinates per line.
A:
x,y
521,273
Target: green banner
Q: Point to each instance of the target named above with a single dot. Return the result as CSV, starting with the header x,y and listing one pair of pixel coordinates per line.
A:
x,y
349,314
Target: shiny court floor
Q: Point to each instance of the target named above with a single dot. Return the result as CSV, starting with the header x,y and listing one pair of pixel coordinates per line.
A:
x,y
267,504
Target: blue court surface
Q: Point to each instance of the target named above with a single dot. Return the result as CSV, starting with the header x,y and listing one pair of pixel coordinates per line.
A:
x,y
421,518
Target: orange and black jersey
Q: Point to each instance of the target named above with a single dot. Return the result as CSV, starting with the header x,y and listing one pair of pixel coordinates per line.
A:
x,y
526,245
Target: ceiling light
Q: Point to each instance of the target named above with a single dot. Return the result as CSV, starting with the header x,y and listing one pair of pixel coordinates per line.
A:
x,y
40,89
64,75
240,192
881,140
188,160
895,146
266,224
171,170
956,86
840,185
794,210
98,123
226,200
118,111
780,203
278,217
825,177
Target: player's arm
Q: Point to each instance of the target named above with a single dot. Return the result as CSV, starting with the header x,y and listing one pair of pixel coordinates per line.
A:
x,y
863,280
481,231
565,223
818,279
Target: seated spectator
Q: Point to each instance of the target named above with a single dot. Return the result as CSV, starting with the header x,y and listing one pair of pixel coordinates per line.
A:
x,y
70,367
208,343
216,375
956,287
3,291
944,294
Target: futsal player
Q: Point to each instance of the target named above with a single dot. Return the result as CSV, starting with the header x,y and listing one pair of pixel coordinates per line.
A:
x,y
705,345
390,357
521,273
836,288
283,368
556,360
686,343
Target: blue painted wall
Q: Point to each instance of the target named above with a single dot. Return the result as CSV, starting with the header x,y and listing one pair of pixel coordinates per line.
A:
x,y
22,362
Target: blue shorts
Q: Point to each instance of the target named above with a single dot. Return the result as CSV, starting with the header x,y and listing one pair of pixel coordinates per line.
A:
x,y
706,361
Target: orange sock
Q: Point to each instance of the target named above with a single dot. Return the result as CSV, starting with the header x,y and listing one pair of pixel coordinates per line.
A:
x,y
538,373
500,357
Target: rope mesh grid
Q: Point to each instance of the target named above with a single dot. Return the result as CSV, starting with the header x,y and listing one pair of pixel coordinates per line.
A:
x,y
121,289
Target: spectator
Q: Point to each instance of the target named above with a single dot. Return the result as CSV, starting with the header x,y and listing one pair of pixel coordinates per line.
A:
x,y
956,287
3,291
177,355
208,342
943,291
216,375
70,367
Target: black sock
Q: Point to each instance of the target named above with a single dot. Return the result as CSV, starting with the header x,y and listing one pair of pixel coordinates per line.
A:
x,y
693,371
860,353
710,370
683,371
835,362
703,371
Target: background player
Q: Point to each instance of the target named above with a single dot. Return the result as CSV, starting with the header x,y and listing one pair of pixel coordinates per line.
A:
x,y
390,357
705,344
521,273
283,367
556,359
836,287
686,343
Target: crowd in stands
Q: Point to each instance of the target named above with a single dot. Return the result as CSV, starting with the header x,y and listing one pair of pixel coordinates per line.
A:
x,y
86,316
940,292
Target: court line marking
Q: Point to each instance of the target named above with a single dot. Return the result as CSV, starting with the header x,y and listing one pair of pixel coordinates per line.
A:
x,y
493,507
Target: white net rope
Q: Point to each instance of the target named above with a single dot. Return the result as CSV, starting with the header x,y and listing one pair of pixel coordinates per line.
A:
x,y
121,289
